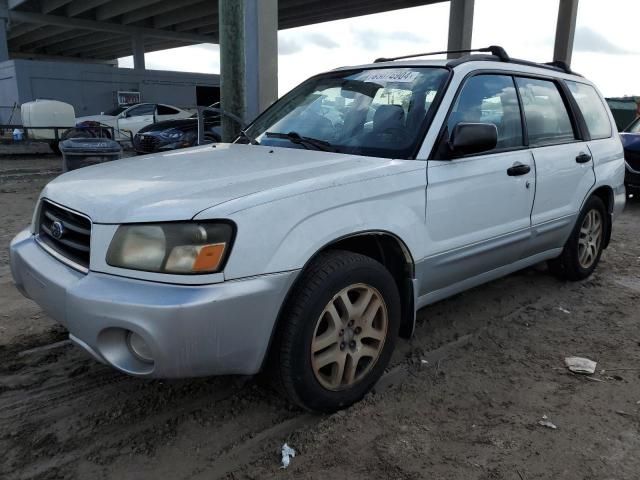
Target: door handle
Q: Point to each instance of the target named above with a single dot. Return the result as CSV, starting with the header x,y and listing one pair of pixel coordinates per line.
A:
x,y
518,169
583,157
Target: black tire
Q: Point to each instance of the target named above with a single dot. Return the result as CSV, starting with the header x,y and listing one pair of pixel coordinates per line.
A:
x,y
567,266
291,364
211,138
55,148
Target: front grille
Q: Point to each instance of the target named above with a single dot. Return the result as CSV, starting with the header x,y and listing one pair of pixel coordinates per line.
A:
x,y
633,159
147,143
66,232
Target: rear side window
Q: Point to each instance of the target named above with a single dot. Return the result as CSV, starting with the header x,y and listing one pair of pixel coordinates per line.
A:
x,y
490,99
592,108
548,121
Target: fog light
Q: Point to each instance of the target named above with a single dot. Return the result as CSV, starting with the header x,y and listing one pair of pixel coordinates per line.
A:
x,y
139,347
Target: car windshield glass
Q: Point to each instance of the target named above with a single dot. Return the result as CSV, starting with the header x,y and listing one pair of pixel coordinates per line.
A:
x,y
116,111
376,112
634,127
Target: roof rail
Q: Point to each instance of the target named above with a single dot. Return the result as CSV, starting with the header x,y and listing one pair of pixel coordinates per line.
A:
x,y
561,65
493,50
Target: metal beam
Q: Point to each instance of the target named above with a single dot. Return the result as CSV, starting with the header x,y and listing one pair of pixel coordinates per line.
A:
x,y
60,58
35,36
163,7
17,30
195,23
201,10
92,40
76,7
119,7
460,26
565,31
49,6
64,38
40,19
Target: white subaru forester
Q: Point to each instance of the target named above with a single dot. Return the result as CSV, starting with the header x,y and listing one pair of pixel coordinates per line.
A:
x,y
309,243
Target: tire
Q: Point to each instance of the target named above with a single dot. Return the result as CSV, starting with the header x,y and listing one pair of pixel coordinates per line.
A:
x,y
310,324
55,148
210,138
573,264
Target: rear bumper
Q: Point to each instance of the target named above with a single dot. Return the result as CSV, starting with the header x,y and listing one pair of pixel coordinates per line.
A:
x,y
191,331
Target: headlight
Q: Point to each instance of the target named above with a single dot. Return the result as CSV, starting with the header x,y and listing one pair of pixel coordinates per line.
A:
x,y
172,134
180,247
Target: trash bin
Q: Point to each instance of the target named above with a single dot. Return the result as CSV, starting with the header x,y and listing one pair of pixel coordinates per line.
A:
x,y
82,152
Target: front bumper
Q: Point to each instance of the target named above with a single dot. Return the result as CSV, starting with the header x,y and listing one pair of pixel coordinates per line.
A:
x,y
191,331
631,178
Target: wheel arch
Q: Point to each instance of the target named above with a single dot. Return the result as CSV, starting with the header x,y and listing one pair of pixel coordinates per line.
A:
x,y
606,194
383,246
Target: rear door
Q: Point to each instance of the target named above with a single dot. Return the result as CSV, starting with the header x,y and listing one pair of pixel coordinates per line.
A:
x,y
479,206
564,166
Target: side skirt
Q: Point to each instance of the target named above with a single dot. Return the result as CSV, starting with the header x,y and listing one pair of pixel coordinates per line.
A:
x,y
499,272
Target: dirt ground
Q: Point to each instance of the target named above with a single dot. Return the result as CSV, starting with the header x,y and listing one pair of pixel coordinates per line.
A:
x,y
462,399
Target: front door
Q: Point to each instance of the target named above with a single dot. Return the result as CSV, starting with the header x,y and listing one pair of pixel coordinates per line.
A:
x,y
137,117
479,207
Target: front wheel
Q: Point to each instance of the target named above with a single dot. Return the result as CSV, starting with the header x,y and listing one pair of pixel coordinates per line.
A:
x,y
338,331
582,251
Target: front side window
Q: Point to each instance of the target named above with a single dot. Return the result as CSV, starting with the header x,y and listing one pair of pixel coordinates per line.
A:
x,y
548,121
592,108
490,99
373,112
140,110
165,110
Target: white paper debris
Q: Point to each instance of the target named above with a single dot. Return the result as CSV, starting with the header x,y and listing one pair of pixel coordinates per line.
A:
x,y
287,454
547,424
564,310
580,365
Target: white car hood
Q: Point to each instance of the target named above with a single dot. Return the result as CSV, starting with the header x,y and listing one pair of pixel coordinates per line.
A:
x,y
179,184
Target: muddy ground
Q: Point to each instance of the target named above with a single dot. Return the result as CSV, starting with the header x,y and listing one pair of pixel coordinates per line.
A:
x,y
462,400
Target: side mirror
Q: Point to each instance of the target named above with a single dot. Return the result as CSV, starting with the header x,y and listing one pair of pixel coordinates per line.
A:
x,y
470,138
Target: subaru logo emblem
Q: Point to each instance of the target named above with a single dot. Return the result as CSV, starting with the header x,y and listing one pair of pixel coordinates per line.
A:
x,y
57,229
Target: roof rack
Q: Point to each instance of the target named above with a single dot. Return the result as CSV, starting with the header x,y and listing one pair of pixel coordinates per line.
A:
x,y
493,50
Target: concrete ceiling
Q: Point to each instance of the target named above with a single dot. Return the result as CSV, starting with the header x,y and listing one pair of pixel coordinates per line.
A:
x,y
103,29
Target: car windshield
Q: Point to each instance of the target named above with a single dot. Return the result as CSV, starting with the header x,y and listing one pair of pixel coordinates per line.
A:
x,y
375,112
634,127
117,111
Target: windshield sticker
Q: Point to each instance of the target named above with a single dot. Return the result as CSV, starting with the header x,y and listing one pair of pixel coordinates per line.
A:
x,y
394,76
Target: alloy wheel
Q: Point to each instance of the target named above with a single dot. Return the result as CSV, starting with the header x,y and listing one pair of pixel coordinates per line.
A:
x,y
349,336
590,238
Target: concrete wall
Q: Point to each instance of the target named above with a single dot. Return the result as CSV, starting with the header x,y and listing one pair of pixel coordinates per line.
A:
x,y
91,88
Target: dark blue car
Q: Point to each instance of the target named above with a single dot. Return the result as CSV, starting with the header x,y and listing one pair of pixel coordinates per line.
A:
x,y
631,142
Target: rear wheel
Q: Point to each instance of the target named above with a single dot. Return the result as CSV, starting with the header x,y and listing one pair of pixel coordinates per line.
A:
x,y
582,251
337,332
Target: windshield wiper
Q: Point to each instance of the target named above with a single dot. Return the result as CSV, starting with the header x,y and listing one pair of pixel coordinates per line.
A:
x,y
306,142
252,140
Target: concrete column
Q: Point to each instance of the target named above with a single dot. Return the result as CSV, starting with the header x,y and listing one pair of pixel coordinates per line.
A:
x,y
248,59
460,26
137,45
261,55
4,20
565,31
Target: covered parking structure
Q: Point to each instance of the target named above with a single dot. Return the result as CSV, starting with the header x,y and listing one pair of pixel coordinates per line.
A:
x,y
104,30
